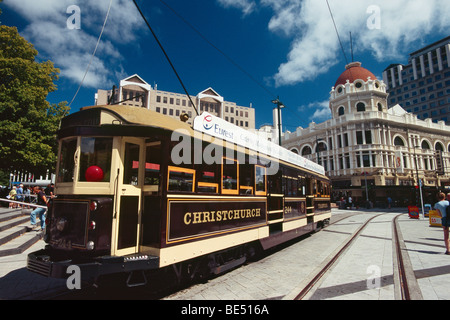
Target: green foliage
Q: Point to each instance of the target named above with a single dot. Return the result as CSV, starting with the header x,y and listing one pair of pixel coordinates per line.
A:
x,y
28,123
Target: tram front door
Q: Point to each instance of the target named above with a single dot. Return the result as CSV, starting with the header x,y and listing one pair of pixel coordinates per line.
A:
x,y
128,196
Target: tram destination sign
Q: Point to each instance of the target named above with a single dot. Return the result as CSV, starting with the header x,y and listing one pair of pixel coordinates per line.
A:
x,y
219,128
189,219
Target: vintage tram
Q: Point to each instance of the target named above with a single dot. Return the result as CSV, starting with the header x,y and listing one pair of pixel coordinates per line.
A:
x,y
139,191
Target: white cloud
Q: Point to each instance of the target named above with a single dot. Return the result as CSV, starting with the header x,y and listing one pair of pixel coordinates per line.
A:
x,y
71,49
247,6
321,110
403,25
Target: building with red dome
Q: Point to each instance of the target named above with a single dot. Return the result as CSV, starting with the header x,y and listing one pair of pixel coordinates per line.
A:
x,y
371,152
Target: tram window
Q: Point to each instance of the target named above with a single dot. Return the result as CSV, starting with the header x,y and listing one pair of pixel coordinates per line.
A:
x,y
152,163
245,179
181,179
207,179
314,186
66,160
131,164
301,186
260,180
290,186
230,176
275,183
95,159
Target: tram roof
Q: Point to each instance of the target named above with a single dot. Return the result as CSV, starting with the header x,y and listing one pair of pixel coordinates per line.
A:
x,y
205,123
142,116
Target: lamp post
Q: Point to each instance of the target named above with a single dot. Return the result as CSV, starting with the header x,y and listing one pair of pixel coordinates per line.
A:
x,y
318,150
279,107
419,182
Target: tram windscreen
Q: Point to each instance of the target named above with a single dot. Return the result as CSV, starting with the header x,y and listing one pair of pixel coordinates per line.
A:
x,y
95,152
66,160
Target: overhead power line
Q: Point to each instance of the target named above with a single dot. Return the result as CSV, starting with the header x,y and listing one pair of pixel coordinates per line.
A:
x,y
237,65
165,54
93,54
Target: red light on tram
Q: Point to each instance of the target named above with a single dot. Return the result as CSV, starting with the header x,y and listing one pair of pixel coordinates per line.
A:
x,y
94,174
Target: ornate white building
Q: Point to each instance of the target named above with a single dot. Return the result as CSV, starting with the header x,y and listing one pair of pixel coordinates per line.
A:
x,y
372,152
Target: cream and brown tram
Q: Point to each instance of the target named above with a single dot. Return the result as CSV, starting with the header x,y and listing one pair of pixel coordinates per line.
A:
x,y
139,191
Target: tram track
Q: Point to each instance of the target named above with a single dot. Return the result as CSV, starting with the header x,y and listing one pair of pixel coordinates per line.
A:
x,y
405,283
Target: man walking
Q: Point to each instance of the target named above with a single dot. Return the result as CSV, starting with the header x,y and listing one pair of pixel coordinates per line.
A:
x,y
42,201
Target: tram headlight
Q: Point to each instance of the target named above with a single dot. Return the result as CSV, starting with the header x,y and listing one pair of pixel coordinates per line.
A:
x,y
90,245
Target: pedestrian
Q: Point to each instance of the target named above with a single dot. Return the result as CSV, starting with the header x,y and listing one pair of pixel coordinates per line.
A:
x,y
442,207
19,196
42,201
389,200
26,195
12,196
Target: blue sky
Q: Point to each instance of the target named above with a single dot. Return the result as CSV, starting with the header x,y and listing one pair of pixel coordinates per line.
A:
x,y
285,48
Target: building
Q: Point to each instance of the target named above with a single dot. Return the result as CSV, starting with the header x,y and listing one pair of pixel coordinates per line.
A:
x,y
136,92
371,152
422,86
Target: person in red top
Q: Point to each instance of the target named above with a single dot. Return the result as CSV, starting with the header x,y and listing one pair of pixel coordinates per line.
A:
x,y
42,201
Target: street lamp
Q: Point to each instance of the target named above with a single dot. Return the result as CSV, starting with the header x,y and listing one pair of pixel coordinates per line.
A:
x,y
318,150
279,107
418,181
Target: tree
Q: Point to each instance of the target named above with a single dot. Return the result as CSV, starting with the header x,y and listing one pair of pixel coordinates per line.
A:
x,y
28,123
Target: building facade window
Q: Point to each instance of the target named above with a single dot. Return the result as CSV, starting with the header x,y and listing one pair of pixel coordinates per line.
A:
x,y
360,107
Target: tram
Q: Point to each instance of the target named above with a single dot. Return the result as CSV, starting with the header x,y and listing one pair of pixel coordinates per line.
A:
x,y
138,191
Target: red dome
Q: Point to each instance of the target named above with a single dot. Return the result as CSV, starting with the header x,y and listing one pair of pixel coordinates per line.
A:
x,y
353,72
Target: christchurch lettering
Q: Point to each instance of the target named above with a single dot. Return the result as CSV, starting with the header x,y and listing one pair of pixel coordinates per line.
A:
x,y
217,216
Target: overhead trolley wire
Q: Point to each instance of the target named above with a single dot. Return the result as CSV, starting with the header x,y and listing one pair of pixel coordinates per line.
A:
x,y
337,32
165,54
218,49
237,65
340,43
93,54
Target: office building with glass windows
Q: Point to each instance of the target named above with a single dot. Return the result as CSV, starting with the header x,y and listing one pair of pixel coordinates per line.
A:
x,y
422,86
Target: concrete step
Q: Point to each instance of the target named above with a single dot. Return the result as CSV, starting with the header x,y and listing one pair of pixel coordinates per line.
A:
x,y
21,243
15,234
11,214
12,222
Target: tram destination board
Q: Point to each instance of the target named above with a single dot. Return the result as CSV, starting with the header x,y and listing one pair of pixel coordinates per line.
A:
x,y
192,218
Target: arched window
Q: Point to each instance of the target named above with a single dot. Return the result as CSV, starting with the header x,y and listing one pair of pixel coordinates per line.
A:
x,y
360,107
341,111
306,150
425,145
398,141
438,146
380,107
294,151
